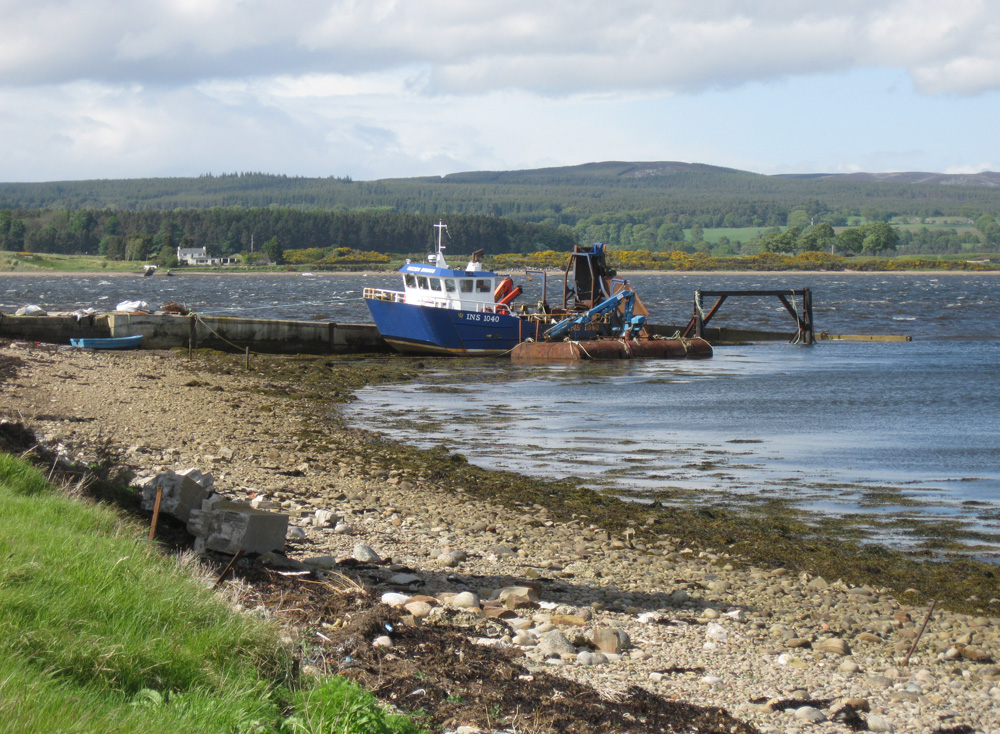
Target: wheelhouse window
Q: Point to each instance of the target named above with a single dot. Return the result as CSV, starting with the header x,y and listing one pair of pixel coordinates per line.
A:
x,y
435,284
483,286
422,283
410,281
449,285
466,286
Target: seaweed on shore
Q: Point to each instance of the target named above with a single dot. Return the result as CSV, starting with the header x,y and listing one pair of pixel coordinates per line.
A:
x,y
772,535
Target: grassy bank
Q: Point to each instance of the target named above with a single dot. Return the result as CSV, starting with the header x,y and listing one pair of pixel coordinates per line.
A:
x,y
100,632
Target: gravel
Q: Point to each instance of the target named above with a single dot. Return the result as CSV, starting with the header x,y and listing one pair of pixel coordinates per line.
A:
x,y
783,651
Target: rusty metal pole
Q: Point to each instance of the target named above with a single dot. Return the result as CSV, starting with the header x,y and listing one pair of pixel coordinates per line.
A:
x,y
156,512
807,306
229,567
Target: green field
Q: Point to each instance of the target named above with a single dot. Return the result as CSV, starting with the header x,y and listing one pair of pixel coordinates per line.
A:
x,y
27,262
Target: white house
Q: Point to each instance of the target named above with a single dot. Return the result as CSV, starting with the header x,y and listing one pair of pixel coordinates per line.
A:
x,y
198,256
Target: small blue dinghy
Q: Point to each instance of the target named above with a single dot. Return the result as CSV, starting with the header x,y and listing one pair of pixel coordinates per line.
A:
x,y
117,342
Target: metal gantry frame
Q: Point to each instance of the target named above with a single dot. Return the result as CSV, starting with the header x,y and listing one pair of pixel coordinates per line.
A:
x,y
803,317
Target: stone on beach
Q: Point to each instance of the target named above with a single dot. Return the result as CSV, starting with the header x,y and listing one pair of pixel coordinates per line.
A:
x,y
611,640
555,642
364,554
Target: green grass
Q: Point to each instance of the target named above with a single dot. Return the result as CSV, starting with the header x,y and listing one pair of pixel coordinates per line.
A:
x,y
26,262
100,632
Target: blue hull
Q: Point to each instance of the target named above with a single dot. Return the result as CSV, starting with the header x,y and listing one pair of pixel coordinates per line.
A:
x,y
427,330
120,342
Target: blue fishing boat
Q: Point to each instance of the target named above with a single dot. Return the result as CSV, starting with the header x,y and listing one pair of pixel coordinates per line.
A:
x,y
473,312
447,311
117,342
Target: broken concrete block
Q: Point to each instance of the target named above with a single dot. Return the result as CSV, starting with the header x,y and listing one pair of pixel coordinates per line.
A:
x,y
199,522
232,526
183,491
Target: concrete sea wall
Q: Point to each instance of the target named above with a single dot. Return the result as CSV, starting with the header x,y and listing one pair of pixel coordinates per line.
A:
x,y
167,331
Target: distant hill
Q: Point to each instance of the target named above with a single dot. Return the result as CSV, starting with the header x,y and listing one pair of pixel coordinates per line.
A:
x,y
588,173
685,192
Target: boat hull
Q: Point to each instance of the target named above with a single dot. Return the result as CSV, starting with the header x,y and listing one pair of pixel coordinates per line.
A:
x,y
120,342
416,329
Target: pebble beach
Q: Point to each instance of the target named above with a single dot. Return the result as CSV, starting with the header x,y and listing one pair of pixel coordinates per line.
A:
x,y
784,651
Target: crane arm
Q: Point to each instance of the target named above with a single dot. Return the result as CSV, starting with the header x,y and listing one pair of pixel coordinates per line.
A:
x,y
563,327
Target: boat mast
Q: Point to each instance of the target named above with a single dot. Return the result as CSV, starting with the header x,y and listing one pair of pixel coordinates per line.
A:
x,y
438,257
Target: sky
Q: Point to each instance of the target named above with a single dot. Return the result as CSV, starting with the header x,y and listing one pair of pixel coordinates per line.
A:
x,y
396,88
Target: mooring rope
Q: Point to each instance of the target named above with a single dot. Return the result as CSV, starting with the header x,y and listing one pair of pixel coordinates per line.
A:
x,y
204,323
582,348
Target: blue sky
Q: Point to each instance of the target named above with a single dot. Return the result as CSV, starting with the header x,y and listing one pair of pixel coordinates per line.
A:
x,y
392,88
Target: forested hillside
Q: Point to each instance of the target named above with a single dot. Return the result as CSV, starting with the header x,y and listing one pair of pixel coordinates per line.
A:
x,y
636,206
708,195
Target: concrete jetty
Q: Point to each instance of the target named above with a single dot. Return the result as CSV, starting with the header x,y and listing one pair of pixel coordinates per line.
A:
x,y
167,331
275,336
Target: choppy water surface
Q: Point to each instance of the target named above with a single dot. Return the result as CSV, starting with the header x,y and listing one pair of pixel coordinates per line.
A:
x,y
888,434
937,306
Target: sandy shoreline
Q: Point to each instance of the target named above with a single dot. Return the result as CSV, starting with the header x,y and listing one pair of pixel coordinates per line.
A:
x,y
744,635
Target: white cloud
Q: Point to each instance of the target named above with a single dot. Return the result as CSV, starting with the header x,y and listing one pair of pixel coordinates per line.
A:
x,y
561,46
373,88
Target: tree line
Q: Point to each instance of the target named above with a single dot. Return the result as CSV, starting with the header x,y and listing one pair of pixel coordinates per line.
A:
x,y
139,235
143,235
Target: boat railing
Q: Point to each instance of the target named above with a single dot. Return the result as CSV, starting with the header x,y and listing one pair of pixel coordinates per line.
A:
x,y
381,294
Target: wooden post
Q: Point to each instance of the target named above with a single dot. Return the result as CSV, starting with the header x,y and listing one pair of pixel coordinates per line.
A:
x,y
192,333
921,632
156,512
247,363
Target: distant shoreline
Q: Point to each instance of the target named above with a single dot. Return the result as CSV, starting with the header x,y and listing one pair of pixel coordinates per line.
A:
x,y
629,273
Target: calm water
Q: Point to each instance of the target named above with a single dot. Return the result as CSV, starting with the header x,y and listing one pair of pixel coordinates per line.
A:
x,y
884,433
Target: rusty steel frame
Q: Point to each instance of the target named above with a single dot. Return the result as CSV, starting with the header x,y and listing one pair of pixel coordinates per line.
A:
x,y
804,334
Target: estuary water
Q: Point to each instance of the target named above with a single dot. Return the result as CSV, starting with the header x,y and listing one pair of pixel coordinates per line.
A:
x,y
901,439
